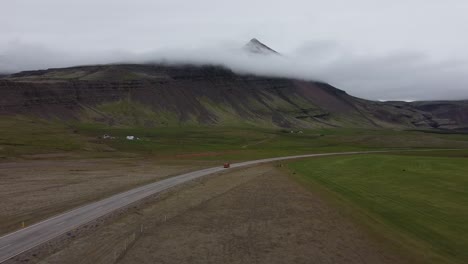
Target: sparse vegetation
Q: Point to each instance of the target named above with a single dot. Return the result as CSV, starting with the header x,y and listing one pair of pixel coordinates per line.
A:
x,y
132,113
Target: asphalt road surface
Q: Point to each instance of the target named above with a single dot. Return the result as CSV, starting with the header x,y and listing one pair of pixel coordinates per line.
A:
x,y
27,238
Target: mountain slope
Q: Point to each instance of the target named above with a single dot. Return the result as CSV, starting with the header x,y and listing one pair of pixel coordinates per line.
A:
x,y
161,95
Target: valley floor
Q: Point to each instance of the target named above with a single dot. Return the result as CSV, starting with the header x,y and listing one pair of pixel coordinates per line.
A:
x,y
260,215
253,215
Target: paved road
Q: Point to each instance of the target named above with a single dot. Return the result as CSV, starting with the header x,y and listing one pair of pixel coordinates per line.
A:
x,y
27,238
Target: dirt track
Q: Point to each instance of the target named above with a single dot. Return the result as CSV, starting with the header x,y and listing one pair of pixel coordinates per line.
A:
x,y
256,215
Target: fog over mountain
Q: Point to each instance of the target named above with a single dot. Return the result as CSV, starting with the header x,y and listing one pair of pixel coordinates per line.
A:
x,y
403,50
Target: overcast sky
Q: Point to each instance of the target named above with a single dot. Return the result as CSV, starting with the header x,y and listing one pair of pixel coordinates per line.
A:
x,y
376,49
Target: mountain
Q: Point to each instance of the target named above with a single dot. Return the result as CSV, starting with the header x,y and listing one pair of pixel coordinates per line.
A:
x,y
256,47
162,95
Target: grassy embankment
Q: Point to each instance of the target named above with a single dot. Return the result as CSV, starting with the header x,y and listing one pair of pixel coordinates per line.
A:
x,y
419,200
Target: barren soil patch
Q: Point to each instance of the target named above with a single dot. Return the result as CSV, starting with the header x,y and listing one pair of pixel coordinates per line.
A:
x,y
34,190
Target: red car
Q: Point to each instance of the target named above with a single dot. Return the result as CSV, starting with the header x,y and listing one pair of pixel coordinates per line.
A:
x,y
227,165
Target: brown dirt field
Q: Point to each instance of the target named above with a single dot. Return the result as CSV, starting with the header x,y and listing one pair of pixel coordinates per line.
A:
x,y
37,189
253,215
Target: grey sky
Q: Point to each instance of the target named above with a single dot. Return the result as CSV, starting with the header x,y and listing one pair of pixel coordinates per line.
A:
x,y
400,49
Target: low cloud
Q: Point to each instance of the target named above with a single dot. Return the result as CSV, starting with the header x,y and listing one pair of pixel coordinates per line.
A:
x,y
396,76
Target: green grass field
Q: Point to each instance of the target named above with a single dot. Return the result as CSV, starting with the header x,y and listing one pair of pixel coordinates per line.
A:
x,y
21,136
243,143
418,199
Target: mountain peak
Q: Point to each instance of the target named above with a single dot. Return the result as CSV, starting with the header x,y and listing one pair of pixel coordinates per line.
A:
x,y
257,47
254,40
